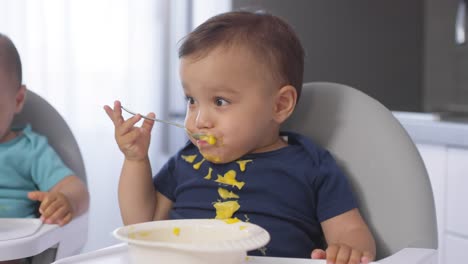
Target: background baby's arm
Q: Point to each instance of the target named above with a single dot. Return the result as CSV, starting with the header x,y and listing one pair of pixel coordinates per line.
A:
x,y
67,199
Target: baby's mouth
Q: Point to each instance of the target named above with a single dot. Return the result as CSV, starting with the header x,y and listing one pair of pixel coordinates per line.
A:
x,y
203,139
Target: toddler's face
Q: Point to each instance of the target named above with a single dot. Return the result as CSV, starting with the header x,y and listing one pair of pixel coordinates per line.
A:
x,y
229,97
8,104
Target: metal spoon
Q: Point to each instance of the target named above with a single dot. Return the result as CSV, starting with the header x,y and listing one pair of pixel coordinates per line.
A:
x,y
194,135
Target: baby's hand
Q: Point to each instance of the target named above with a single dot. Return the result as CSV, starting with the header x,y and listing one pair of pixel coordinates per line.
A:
x,y
133,141
342,254
55,207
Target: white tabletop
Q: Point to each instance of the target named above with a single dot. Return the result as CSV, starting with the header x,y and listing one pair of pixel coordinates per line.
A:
x,y
118,254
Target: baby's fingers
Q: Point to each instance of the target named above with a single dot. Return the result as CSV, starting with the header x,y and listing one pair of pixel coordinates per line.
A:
x,y
127,126
115,114
148,124
65,220
59,216
50,208
46,202
355,257
318,254
367,257
129,139
341,254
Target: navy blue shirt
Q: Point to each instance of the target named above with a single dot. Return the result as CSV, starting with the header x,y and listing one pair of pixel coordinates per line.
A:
x,y
288,192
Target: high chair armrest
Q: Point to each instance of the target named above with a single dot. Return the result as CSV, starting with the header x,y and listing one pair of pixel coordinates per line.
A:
x,y
48,236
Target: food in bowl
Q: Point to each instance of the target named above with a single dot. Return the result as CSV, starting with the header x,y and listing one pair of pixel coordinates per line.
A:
x,y
194,241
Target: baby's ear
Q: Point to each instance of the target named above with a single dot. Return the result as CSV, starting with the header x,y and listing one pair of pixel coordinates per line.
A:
x,y
20,98
285,103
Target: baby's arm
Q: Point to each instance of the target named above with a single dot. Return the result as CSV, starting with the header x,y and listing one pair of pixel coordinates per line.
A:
x,y
139,201
67,199
137,197
349,240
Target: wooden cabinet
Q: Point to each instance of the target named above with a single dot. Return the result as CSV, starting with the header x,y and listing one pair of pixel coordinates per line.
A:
x,y
457,191
448,170
446,56
403,53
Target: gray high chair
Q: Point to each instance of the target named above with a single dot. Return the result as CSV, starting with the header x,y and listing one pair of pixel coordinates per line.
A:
x,y
50,242
385,169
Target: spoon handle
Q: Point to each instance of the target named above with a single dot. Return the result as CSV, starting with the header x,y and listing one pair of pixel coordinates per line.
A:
x,y
154,119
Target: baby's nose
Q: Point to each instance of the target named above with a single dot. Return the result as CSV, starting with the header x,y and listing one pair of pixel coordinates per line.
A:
x,y
203,120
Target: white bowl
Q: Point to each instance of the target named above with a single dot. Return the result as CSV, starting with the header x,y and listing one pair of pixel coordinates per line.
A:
x,y
194,241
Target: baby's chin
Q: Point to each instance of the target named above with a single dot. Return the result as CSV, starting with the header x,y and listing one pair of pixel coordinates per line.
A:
x,y
213,158
218,159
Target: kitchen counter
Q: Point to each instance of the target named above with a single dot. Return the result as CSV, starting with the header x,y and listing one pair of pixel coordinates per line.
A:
x,y
430,128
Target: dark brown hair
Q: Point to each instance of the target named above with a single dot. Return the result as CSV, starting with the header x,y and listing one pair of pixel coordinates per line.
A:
x,y
9,59
268,37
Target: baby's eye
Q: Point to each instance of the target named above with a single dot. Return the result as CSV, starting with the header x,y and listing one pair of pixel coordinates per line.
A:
x,y
190,100
220,101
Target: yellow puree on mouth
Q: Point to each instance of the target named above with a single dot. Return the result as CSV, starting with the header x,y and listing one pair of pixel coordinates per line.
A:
x,y
208,138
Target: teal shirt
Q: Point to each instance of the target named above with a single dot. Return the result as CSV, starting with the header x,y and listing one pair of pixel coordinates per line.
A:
x,y
27,163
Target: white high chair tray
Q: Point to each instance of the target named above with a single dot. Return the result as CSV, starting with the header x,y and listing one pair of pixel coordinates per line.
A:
x,y
14,228
118,254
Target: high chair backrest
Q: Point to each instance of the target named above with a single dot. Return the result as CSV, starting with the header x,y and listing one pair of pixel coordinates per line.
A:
x,y
383,164
45,120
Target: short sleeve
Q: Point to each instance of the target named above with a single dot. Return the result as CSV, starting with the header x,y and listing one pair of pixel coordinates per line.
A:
x,y
164,181
334,194
47,167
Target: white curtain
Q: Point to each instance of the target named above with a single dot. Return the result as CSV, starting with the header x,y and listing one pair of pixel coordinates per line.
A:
x,y
82,54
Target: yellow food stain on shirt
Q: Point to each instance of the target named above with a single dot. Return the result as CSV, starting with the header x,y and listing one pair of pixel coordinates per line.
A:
x,y
229,178
198,164
242,227
242,164
189,158
208,176
225,194
210,139
231,220
225,210
176,231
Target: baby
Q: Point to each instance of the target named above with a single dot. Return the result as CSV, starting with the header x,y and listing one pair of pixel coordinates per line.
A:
x,y
31,172
242,76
